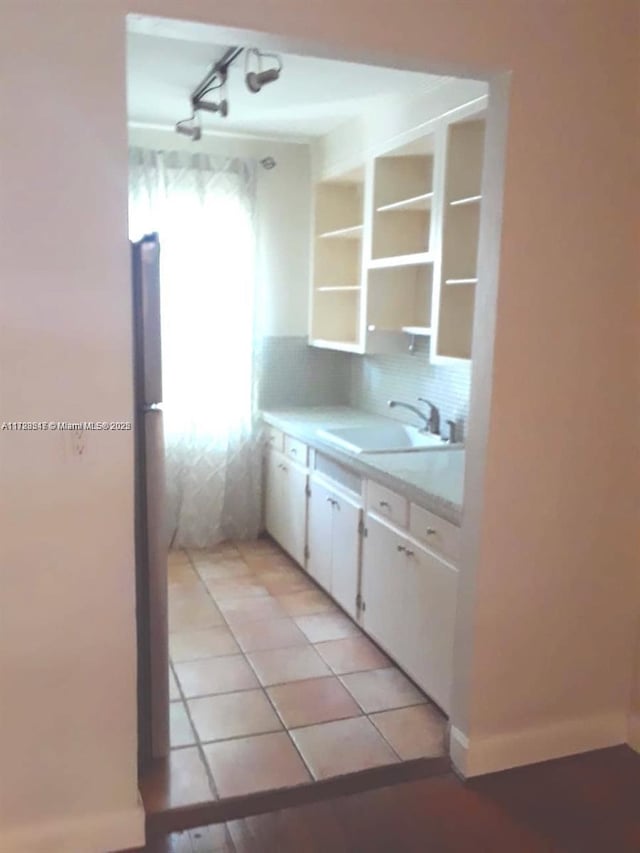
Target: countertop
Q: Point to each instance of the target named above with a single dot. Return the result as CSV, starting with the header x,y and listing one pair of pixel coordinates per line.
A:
x,y
433,479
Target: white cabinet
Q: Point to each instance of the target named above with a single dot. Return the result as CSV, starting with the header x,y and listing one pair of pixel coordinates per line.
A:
x,y
320,533
345,552
286,504
396,579
274,494
395,241
383,585
429,614
334,542
409,600
457,264
337,263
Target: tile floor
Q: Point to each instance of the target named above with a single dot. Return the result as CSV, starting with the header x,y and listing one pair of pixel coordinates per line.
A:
x,y
273,686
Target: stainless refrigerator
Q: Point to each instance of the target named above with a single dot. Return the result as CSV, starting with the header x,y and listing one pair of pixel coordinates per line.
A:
x,y
150,523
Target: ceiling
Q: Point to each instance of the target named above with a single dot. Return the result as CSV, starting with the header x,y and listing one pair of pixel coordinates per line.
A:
x,y
311,97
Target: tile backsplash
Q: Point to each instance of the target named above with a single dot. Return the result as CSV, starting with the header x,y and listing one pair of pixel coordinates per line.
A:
x,y
376,379
294,374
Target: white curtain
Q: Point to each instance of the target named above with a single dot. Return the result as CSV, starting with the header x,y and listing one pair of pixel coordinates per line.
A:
x,y
203,209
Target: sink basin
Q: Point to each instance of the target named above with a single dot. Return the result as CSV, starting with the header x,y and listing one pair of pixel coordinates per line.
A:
x,y
386,438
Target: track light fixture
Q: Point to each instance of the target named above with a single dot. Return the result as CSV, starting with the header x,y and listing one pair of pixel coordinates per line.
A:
x,y
217,79
190,127
221,107
255,80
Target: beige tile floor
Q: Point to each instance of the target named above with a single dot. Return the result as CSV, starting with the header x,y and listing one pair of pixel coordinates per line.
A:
x,y
272,685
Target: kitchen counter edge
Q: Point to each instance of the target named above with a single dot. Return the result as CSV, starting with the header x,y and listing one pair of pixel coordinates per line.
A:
x,y
431,501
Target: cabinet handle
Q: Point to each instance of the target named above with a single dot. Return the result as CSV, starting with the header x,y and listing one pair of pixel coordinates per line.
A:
x,y
401,548
385,503
431,531
293,451
409,553
330,500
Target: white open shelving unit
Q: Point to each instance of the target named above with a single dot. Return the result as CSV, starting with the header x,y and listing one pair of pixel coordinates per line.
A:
x,y
395,243
458,267
337,261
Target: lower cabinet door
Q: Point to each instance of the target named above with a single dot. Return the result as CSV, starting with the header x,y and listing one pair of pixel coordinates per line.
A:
x,y
319,534
430,610
383,586
294,511
345,549
274,510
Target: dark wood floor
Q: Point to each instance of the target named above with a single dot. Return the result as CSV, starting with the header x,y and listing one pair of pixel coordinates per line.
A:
x,y
583,804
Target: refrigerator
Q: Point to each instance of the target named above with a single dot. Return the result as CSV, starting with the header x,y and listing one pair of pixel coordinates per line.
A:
x,y
150,518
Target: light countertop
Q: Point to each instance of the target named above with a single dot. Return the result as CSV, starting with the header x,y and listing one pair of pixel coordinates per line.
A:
x,y
433,479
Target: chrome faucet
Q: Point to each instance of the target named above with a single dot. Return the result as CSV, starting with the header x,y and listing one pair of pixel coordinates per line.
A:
x,y
393,403
431,421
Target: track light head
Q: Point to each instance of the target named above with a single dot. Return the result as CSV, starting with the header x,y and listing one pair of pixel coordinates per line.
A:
x,y
256,80
221,107
187,127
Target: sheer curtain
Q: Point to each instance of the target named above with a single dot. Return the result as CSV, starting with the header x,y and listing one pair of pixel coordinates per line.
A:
x,y
203,209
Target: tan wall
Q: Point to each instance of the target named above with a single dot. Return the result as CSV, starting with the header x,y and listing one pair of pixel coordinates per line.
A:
x,y
634,716
549,591
67,623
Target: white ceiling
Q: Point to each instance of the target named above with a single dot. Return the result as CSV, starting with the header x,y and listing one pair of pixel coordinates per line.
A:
x,y
311,97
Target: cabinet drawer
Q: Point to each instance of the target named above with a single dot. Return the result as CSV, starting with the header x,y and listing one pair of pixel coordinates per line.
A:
x,y
295,450
273,438
387,503
438,534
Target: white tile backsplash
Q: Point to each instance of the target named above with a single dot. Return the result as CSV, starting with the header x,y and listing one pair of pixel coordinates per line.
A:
x,y
294,374
376,379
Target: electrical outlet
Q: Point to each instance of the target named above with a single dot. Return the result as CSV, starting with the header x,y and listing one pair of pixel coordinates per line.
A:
x,y
78,442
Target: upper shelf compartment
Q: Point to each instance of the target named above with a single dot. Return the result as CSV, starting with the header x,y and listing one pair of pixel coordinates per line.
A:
x,y
339,215
465,150
338,206
402,196
337,261
460,236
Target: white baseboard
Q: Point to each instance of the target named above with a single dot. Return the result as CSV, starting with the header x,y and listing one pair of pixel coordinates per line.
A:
x,y
474,756
94,834
634,731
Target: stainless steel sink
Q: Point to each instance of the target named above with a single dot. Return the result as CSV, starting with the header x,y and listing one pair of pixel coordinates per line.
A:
x,y
386,438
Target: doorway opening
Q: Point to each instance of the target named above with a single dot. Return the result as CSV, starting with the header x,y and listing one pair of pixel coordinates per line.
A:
x,y
322,648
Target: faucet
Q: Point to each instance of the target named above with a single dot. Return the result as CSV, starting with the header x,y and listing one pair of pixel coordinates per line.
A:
x,y
431,421
393,403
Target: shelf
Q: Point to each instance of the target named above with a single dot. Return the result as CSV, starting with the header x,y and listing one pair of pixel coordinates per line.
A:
x,y
408,330
401,261
417,202
372,327
338,288
425,331
471,199
454,281
353,232
343,346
